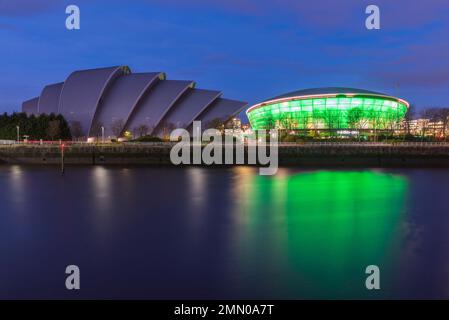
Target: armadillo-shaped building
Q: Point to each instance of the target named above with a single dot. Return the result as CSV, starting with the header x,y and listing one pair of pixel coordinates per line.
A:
x,y
115,98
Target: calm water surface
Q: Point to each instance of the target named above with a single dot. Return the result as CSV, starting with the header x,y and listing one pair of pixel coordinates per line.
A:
x,y
144,232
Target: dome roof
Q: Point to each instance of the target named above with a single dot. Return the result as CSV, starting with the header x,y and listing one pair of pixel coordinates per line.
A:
x,y
325,90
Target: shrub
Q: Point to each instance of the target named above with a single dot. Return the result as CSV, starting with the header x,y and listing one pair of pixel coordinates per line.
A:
x,y
148,139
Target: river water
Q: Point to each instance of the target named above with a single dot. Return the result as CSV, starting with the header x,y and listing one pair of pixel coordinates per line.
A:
x,y
148,232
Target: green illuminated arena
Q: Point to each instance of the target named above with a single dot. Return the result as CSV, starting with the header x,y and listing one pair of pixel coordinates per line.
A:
x,y
329,109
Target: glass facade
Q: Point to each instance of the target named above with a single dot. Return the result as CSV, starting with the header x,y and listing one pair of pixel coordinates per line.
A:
x,y
329,113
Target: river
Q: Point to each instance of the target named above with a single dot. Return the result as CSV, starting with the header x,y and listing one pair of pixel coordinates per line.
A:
x,y
162,232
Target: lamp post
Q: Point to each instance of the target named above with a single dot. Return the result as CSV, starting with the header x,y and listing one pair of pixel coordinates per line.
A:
x,y
102,134
18,134
62,159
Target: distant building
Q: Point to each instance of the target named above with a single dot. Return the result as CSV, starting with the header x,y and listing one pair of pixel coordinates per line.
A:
x,y
426,127
234,124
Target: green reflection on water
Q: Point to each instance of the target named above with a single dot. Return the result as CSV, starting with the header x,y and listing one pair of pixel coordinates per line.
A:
x,y
312,234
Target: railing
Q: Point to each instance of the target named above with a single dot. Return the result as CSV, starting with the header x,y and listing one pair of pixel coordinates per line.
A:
x,y
13,143
355,143
7,142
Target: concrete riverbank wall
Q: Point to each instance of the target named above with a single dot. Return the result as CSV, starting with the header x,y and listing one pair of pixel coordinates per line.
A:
x,y
419,154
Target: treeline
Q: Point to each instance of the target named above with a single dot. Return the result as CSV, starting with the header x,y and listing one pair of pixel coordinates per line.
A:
x,y
46,127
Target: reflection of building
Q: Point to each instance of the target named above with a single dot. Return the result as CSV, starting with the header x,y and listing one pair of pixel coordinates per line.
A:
x,y
120,101
329,109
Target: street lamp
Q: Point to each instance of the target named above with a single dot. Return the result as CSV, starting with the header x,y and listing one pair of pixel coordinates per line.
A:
x,y
18,134
102,134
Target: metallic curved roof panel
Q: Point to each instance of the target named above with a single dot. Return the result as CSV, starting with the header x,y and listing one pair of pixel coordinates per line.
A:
x,y
82,92
102,96
49,98
122,97
30,106
153,107
222,109
188,107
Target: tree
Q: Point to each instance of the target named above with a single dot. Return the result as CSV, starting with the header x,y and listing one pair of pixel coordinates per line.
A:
x,y
331,119
96,129
76,129
409,117
286,122
375,118
64,127
355,116
53,129
215,123
167,128
142,130
117,127
355,119
426,115
270,124
432,117
443,117
304,119
35,127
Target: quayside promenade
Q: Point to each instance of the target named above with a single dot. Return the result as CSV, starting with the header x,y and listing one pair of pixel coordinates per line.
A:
x,y
295,154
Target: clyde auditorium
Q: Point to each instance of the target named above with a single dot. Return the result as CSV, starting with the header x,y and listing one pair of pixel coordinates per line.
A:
x,y
121,101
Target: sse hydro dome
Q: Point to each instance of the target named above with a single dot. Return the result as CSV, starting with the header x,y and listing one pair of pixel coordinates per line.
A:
x,y
329,109
120,102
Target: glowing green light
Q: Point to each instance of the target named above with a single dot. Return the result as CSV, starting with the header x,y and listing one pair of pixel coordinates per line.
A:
x,y
360,112
322,228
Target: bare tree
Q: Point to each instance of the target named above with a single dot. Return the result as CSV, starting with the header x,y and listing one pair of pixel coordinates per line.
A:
x,y
284,121
355,120
355,116
270,124
142,130
216,123
331,119
76,129
432,115
443,117
427,115
409,117
117,127
167,128
375,118
96,129
53,129
304,120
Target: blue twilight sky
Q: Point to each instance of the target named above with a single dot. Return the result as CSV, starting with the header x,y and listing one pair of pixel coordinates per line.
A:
x,y
249,49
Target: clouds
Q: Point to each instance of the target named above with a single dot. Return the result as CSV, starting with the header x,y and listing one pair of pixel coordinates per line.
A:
x,y
418,66
416,78
326,14
23,8
7,26
316,14
252,49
